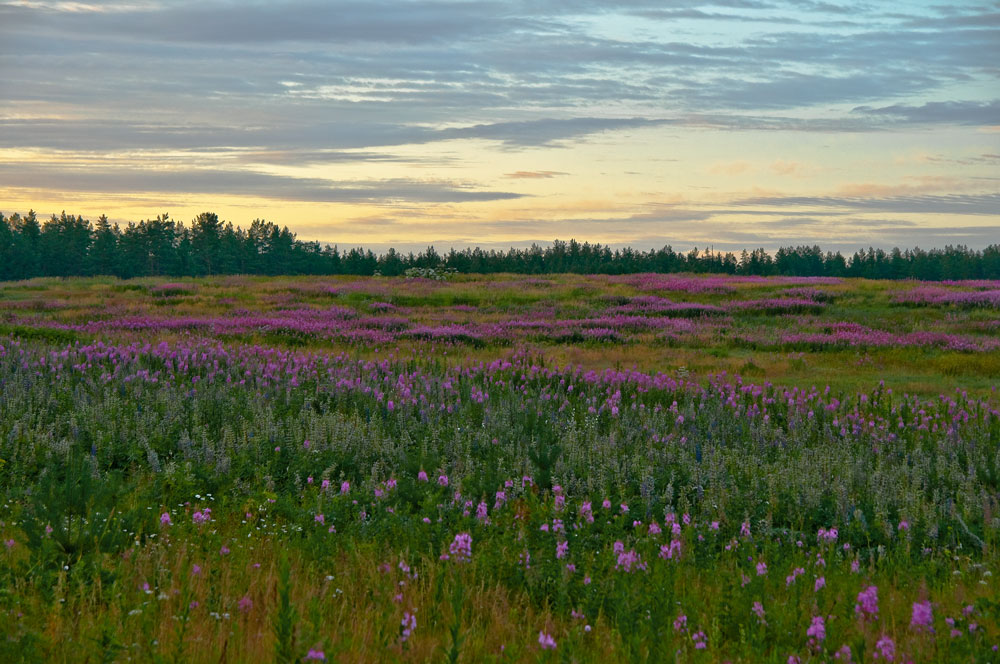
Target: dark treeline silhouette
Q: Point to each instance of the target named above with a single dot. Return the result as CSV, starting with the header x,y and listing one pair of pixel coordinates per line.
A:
x,y
67,246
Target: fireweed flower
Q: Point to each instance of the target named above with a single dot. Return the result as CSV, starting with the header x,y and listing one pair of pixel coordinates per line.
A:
x,y
745,529
923,616
670,551
761,568
317,655
758,610
443,480
345,487
820,583
885,647
165,519
481,512
629,559
409,623
422,476
700,640
817,630
867,605
825,535
546,641
680,623
461,547
561,549
245,604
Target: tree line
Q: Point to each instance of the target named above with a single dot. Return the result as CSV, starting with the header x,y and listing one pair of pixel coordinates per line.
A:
x,y
67,246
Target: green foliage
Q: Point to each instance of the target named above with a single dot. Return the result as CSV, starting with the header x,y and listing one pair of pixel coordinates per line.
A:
x,y
285,617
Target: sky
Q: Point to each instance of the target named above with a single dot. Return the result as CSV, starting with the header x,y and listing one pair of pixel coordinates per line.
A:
x,y
729,124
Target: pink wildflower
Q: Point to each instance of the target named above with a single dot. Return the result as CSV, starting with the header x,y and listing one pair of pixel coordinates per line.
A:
x,y
844,653
923,616
165,519
461,547
409,623
668,552
546,641
817,630
245,604
885,647
867,602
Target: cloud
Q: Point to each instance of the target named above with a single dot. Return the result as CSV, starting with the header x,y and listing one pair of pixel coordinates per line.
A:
x,y
243,183
730,168
330,136
533,175
970,204
949,112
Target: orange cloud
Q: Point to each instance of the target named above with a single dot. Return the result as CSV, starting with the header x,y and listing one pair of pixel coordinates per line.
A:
x,y
729,168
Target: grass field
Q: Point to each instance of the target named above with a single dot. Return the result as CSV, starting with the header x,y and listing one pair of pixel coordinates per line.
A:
x,y
581,469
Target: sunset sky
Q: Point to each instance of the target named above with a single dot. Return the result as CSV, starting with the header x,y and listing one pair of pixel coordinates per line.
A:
x,y
736,123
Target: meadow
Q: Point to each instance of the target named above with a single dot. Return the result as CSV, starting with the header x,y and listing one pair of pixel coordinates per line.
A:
x,y
566,468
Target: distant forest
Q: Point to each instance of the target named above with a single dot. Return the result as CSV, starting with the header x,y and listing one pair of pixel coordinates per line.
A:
x,y
67,246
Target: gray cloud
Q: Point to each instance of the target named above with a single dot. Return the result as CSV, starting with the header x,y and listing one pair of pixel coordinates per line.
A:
x,y
949,112
243,183
100,134
972,204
